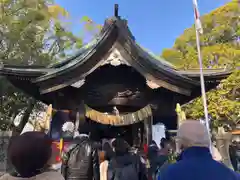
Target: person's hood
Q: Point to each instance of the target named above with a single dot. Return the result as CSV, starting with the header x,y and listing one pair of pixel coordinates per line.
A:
x,y
152,145
125,159
81,138
78,135
83,135
153,151
51,175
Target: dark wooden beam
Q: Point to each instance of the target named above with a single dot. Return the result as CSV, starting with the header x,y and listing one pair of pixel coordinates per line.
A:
x,y
148,130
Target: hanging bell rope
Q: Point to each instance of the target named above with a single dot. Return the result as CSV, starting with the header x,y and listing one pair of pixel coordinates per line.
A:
x,y
116,119
120,119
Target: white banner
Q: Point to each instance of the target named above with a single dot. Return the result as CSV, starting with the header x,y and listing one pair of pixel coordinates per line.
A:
x,y
158,132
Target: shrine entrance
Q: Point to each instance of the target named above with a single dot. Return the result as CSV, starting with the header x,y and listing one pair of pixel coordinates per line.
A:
x,y
115,82
132,127
133,134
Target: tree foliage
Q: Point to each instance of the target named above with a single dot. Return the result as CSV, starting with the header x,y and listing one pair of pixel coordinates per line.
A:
x,y
220,48
220,42
223,102
32,32
90,26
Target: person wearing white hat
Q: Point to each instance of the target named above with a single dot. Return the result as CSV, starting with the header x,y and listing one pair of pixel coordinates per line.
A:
x,y
80,158
196,160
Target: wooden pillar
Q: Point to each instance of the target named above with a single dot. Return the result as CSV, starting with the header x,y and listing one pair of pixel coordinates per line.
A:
x,y
81,119
136,135
148,130
142,135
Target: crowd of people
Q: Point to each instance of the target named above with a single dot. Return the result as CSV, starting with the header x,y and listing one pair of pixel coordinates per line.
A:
x,y
31,156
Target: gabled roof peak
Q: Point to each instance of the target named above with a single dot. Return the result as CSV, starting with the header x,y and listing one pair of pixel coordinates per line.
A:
x,y
114,34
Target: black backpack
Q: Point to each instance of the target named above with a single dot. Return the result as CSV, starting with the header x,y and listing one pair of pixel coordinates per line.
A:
x,y
76,162
125,172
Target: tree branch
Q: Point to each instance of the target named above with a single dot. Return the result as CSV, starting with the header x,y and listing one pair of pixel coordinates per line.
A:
x,y
25,118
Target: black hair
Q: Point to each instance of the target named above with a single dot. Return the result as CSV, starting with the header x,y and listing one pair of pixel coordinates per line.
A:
x,y
29,153
121,146
72,115
163,142
153,142
108,151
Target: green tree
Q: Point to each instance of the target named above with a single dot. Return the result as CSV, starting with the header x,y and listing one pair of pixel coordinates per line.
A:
x,y
221,34
90,27
27,29
223,102
173,56
220,48
31,33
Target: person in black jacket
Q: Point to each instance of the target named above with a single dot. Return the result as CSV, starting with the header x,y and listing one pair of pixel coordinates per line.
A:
x,y
233,155
80,160
125,165
157,157
152,156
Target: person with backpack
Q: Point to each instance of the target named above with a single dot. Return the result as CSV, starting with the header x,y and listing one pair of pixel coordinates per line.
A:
x,y
125,165
80,159
152,156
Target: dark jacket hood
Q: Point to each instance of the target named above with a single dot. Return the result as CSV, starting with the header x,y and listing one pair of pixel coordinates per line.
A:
x,y
125,159
80,139
153,151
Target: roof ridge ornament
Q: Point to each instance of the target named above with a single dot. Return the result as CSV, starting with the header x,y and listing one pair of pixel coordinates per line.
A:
x,y
114,58
116,10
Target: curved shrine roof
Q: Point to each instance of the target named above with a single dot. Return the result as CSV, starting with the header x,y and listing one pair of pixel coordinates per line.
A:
x,y
91,56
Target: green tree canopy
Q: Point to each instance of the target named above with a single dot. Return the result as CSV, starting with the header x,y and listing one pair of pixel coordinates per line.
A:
x,y
220,48
32,32
220,42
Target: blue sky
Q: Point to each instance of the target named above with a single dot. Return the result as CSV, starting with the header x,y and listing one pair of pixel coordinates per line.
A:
x,y
154,23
